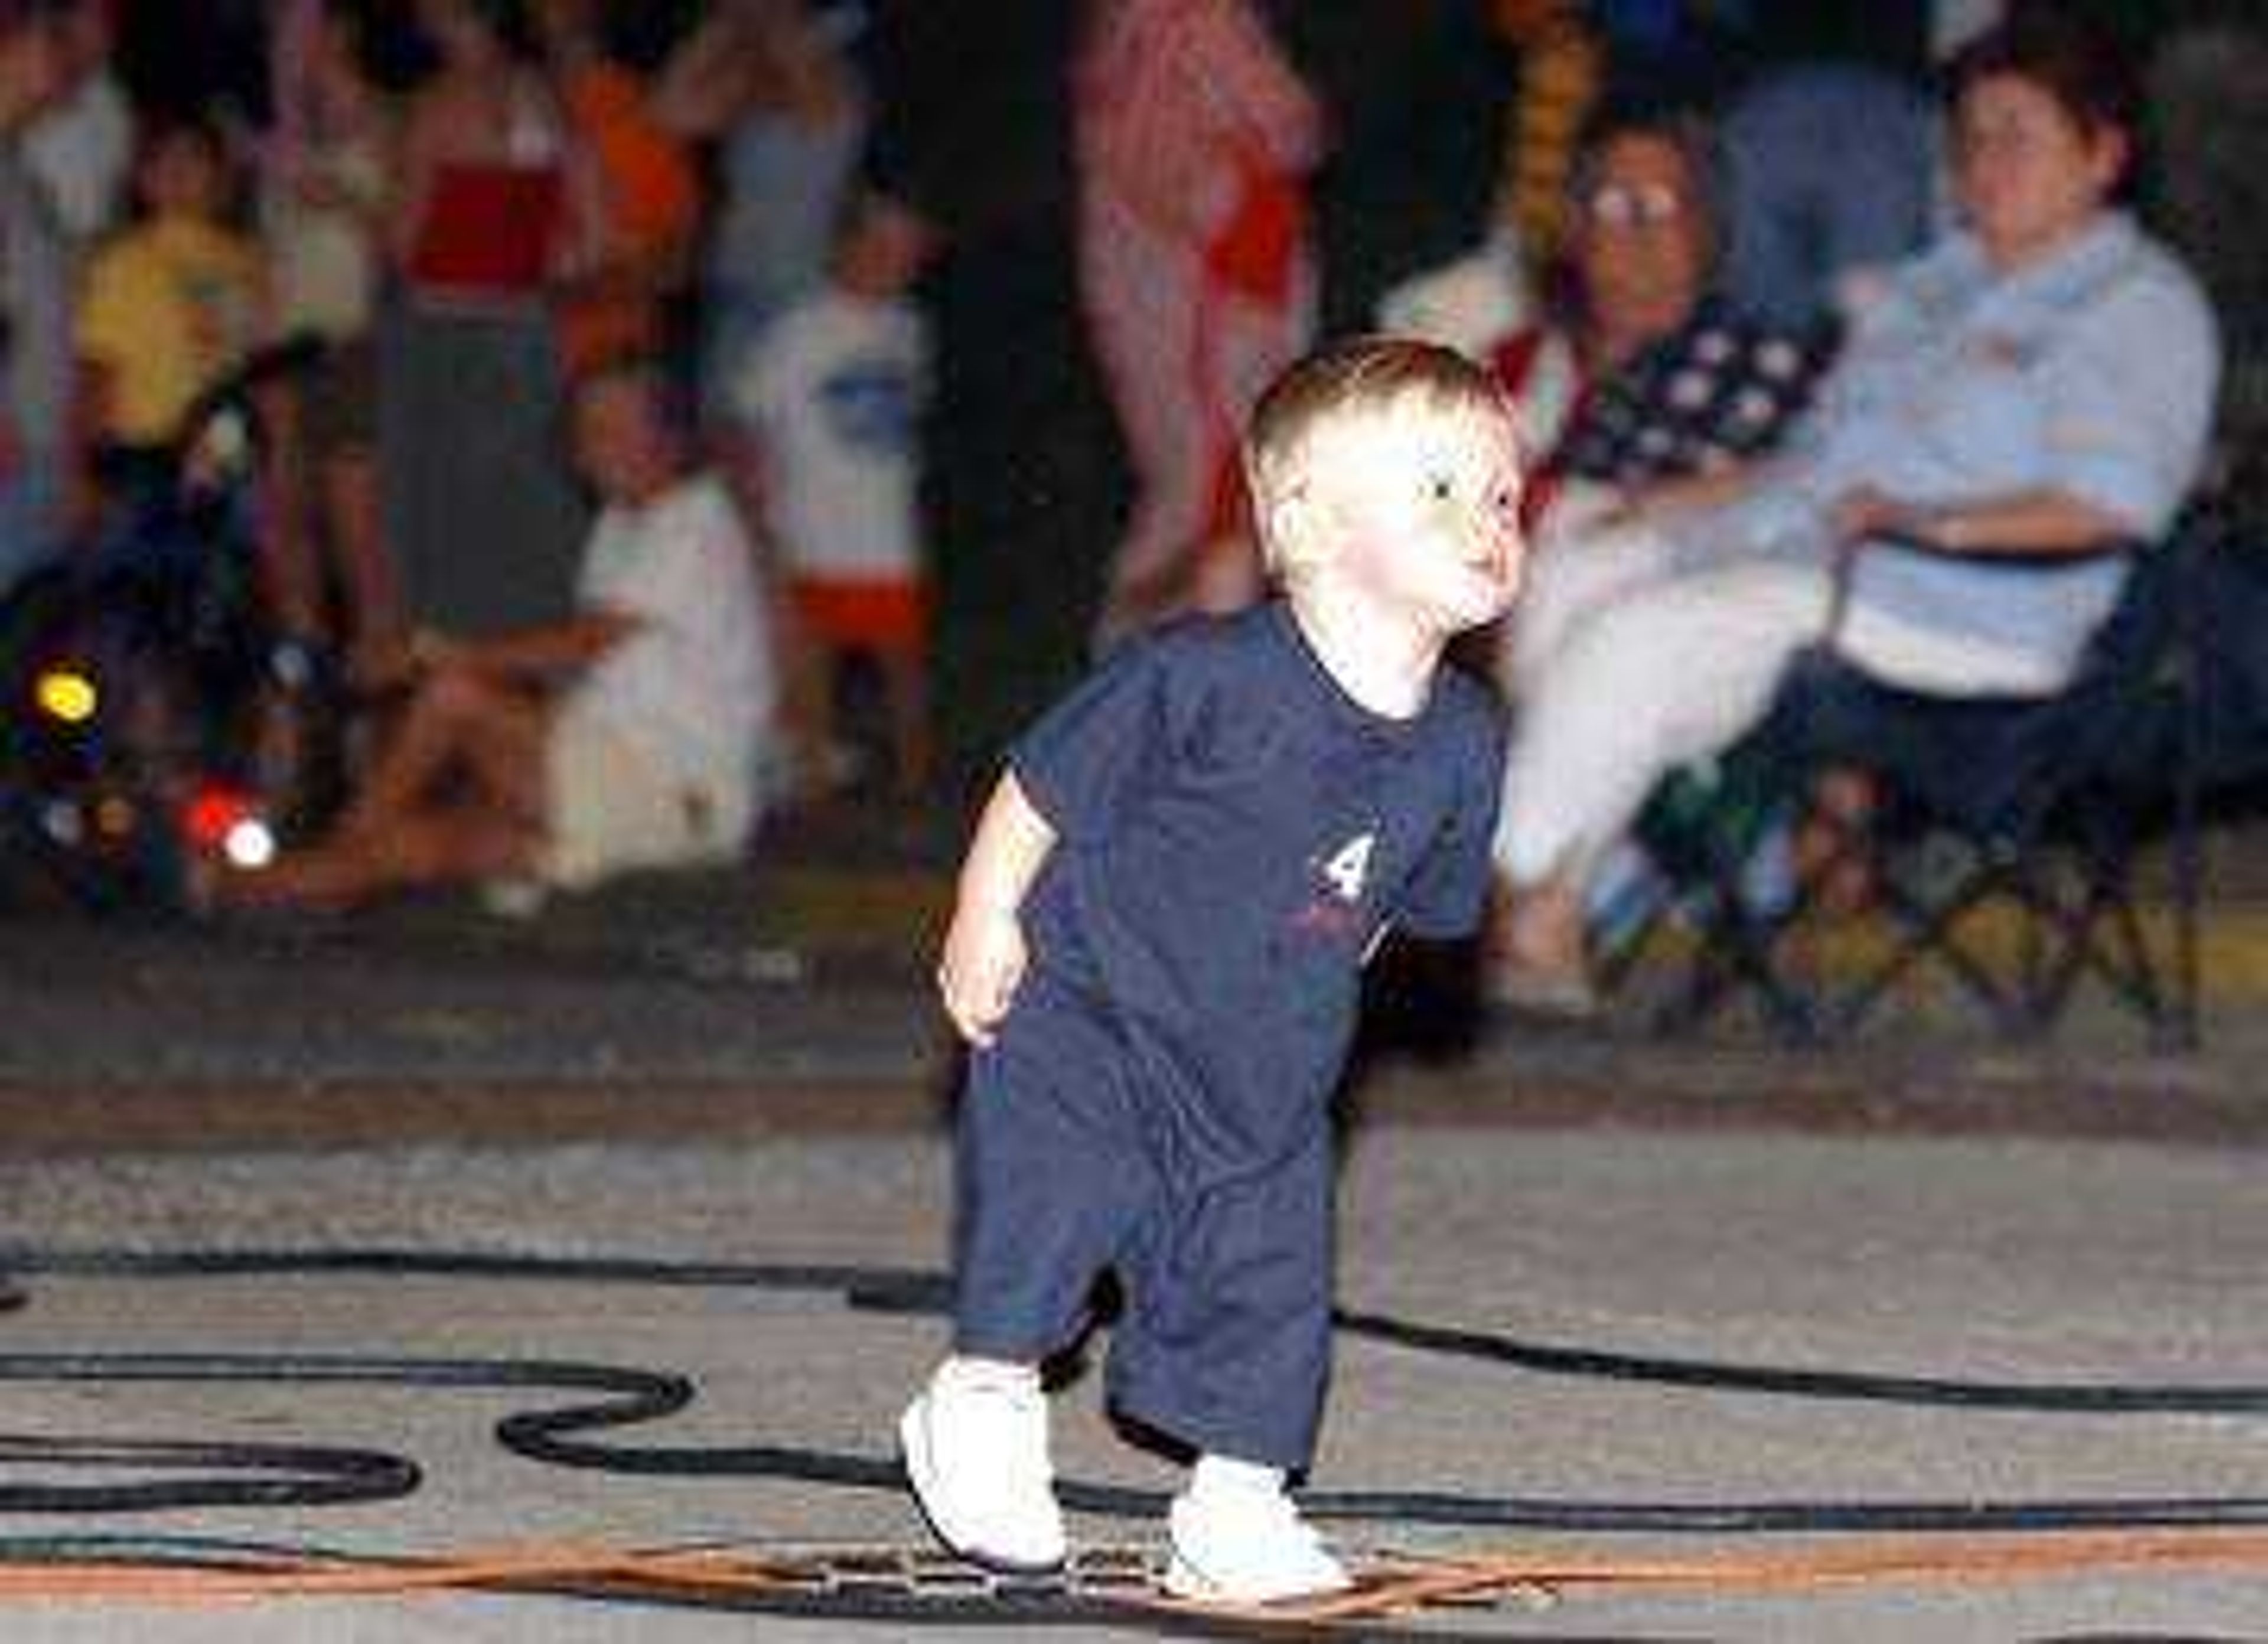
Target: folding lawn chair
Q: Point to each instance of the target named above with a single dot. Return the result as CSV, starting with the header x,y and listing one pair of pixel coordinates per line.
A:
x,y
2040,806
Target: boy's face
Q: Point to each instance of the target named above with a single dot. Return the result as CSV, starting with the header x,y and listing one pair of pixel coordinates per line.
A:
x,y
1418,513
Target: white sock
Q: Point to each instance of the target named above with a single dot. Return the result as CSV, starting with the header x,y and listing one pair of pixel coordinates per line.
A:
x,y
1216,1473
966,1372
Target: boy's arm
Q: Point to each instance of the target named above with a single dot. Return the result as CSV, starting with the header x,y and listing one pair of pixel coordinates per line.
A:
x,y
1072,776
984,953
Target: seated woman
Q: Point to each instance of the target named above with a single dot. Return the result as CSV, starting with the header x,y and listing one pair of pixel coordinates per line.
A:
x,y
2041,383
1642,373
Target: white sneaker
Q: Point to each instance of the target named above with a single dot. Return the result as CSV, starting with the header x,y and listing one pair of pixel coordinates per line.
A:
x,y
1248,1546
976,1454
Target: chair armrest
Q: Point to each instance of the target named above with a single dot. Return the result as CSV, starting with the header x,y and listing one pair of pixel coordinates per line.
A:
x,y
2109,548
1996,560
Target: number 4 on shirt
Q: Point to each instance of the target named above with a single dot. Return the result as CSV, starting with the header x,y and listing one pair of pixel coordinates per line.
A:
x,y
1349,870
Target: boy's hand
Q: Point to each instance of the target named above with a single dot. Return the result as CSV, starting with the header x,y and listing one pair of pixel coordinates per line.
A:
x,y
977,975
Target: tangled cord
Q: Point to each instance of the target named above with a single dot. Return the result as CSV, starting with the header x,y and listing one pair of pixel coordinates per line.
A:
x,y
605,1399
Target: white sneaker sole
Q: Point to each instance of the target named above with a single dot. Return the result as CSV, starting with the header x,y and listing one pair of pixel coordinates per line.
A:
x,y
921,1473
1184,1580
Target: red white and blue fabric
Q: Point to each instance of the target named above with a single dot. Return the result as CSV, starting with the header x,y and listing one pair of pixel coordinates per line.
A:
x,y
1195,137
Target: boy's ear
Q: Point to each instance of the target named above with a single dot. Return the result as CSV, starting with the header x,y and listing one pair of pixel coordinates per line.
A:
x,y
1294,523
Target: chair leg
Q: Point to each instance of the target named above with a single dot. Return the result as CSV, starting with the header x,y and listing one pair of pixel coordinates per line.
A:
x,y
2102,935
1711,973
2039,908
2185,1031
1929,932
2103,896
2186,1027
2051,996
2038,905
1613,968
1740,951
2145,989
1755,954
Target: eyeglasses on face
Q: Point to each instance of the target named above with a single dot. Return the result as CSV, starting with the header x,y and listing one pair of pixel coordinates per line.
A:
x,y
1634,205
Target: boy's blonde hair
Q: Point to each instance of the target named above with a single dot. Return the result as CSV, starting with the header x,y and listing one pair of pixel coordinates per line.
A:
x,y
1363,377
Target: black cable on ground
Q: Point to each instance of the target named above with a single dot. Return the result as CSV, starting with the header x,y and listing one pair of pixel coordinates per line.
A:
x,y
270,1475
608,1399
230,1474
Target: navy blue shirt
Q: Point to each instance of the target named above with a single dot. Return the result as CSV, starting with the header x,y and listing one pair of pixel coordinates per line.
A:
x,y
1235,835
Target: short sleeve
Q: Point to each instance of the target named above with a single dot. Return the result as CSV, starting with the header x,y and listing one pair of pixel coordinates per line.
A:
x,y
1081,764
2129,401
1447,893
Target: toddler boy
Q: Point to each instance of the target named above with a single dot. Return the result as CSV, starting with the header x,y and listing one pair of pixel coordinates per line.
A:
x,y
1155,954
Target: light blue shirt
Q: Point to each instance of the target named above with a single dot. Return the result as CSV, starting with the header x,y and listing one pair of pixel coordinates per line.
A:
x,y
2092,373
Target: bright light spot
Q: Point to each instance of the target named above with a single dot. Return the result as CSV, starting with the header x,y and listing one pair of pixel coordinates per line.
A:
x,y
222,820
66,694
210,816
249,844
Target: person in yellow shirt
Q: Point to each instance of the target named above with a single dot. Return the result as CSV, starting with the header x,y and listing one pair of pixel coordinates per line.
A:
x,y
171,305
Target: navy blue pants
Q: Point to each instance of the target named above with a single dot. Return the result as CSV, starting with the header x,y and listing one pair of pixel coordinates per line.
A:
x,y
1065,1170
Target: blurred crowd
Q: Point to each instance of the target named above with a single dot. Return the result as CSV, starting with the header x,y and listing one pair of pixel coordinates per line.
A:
x,y
940,316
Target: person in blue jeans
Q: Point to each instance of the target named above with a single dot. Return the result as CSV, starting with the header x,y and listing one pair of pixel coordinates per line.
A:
x,y
1155,956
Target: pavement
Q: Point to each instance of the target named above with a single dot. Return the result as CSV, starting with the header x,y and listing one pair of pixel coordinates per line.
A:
x,y
742,1071
2025,1261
